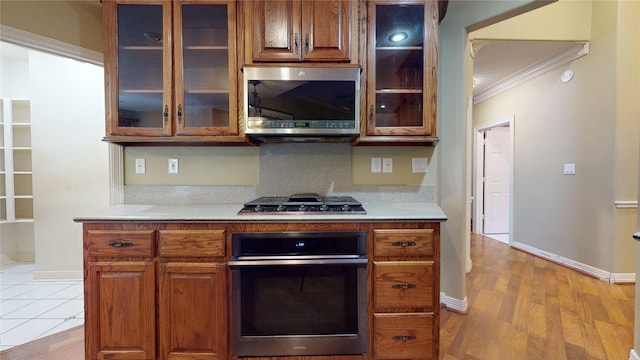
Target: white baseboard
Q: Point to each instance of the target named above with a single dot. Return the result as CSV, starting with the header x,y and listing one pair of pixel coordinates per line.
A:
x,y
613,278
461,306
634,355
57,275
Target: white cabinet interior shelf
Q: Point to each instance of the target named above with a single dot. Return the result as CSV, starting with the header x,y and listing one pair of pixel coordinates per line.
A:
x,y
16,195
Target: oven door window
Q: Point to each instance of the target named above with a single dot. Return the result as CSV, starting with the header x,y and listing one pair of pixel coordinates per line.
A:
x,y
299,300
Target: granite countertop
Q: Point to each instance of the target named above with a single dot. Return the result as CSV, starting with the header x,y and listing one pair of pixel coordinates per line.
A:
x,y
376,211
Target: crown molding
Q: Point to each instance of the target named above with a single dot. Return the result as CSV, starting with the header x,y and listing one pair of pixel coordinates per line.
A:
x,y
532,72
45,44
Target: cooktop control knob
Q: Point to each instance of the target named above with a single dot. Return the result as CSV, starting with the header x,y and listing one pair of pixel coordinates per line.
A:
x,y
324,207
258,208
281,208
346,207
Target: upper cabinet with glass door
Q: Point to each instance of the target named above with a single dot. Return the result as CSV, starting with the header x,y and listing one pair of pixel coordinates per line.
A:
x,y
171,70
301,31
402,72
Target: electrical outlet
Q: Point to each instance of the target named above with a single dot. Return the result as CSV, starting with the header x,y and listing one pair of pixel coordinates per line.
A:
x,y
387,165
173,166
140,166
376,165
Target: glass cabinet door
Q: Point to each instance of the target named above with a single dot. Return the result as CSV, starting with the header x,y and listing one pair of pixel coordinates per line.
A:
x,y
204,66
399,93
143,71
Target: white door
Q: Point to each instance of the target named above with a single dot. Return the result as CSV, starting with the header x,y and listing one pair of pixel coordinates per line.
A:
x,y
496,188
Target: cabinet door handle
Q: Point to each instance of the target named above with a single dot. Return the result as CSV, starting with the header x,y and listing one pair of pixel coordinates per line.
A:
x,y
295,43
371,115
166,115
179,113
306,43
404,286
403,243
404,338
120,244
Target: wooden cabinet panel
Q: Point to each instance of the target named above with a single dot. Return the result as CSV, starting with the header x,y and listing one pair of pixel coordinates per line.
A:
x,y
120,307
403,242
119,243
294,30
403,284
404,336
325,30
191,243
171,71
402,69
192,317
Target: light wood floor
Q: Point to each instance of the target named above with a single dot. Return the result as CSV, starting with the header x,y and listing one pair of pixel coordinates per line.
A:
x,y
524,307
521,307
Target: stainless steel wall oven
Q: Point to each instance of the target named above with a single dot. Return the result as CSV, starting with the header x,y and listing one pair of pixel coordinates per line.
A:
x,y
299,293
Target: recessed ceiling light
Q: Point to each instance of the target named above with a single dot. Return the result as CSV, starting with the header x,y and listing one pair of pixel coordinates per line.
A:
x,y
398,36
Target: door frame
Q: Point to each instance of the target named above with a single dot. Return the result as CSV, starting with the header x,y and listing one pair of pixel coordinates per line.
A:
x,y
478,183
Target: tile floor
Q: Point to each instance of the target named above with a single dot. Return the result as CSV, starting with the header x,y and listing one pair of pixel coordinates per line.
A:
x,y
32,309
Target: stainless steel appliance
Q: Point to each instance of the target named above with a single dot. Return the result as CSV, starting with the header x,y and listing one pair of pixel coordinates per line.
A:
x,y
300,103
306,203
299,293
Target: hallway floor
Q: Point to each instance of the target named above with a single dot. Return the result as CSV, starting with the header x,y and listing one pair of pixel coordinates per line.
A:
x,y
33,309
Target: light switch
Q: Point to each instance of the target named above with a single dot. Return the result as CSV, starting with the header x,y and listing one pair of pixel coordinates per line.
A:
x,y
376,165
569,169
140,166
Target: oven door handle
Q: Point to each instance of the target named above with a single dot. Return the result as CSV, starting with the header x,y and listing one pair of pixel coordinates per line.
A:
x,y
285,262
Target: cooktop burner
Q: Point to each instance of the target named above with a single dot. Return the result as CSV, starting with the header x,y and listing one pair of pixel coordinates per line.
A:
x,y
299,204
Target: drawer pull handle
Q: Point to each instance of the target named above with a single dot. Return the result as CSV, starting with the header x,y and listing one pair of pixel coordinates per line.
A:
x,y
404,286
404,338
120,244
403,243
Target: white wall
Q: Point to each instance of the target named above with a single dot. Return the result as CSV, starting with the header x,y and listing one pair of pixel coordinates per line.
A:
x,y
580,122
16,239
453,128
70,162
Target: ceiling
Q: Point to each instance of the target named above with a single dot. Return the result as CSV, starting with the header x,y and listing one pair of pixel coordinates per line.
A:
x,y
502,64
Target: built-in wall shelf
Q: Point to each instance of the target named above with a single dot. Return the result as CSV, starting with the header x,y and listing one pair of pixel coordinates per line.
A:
x,y
16,192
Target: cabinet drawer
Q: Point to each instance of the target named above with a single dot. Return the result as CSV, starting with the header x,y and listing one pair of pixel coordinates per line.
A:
x,y
403,284
404,336
120,243
191,243
403,242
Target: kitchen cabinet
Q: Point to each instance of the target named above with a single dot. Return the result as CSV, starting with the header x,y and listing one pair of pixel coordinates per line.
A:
x,y
16,195
161,289
133,269
402,68
119,294
406,293
295,31
170,71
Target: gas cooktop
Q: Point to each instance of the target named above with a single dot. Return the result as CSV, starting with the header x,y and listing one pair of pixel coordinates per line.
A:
x,y
301,204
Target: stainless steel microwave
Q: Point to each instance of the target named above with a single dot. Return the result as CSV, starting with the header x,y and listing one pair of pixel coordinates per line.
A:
x,y
301,101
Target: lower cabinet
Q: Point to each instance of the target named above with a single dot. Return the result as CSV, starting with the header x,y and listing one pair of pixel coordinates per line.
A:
x,y
154,292
120,316
192,311
403,336
160,290
406,293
